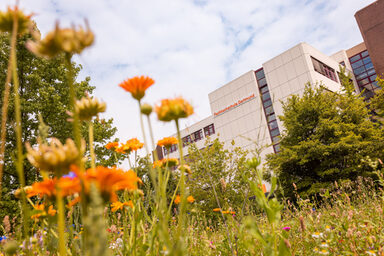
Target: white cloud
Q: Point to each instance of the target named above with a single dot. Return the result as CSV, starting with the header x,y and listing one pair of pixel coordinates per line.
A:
x,y
191,47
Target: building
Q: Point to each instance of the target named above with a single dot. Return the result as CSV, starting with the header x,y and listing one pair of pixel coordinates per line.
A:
x,y
371,23
246,109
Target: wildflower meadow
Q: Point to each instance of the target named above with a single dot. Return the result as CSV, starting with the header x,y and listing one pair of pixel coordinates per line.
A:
x,y
174,206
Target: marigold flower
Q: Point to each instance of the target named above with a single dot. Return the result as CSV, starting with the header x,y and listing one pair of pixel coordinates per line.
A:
x,y
112,145
109,180
217,210
137,86
74,202
48,187
190,199
177,199
58,41
186,168
167,142
54,156
23,21
173,109
51,211
131,145
119,205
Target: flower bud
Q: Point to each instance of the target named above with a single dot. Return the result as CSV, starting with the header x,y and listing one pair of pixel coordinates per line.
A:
x,y
86,108
146,109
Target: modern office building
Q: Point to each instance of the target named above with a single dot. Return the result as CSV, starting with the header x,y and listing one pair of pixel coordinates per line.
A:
x,y
246,109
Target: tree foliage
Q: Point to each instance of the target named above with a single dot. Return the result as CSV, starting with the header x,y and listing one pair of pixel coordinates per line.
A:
x,y
326,136
44,92
219,168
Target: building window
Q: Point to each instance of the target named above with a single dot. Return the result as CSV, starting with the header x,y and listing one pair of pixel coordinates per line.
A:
x,y
268,109
209,130
342,63
323,69
172,149
187,140
364,73
165,151
198,135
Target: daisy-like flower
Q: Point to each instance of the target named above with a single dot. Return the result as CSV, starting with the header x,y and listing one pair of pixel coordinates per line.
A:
x,y
86,108
317,235
119,205
131,145
167,142
112,145
173,109
110,180
371,253
190,199
324,245
46,187
137,86
177,199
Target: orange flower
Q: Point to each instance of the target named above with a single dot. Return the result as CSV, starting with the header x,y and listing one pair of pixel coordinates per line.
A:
x,y
190,199
74,202
216,209
119,205
225,212
46,187
69,186
177,199
51,211
173,109
131,145
137,86
112,145
109,180
166,162
167,142
39,207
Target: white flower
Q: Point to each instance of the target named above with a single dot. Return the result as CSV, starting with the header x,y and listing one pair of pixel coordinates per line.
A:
x,y
324,245
317,235
327,228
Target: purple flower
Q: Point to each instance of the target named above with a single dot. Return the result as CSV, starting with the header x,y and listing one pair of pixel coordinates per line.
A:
x,y
70,175
287,228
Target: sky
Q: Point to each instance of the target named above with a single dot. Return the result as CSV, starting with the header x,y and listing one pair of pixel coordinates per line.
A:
x,y
189,47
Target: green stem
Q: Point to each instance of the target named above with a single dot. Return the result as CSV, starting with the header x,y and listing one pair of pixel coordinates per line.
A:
x,y
72,100
91,148
61,221
19,145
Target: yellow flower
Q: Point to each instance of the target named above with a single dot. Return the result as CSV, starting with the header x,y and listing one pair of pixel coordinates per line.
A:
x,y
54,156
173,109
58,41
186,168
137,86
167,142
177,199
87,107
166,162
7,18
190,199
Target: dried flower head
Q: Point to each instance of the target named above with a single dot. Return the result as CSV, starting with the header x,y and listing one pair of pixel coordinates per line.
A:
x,y
137,86
173,109
167,142
54,156
67,40
23,21
87,107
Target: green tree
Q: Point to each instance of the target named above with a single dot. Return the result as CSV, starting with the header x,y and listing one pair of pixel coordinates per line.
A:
x,y
44,92
217,168
326,136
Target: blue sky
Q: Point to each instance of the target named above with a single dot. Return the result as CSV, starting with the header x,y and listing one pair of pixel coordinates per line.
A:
x,y
190,48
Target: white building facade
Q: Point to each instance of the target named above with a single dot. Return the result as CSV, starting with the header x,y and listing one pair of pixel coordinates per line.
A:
x,y
246,109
